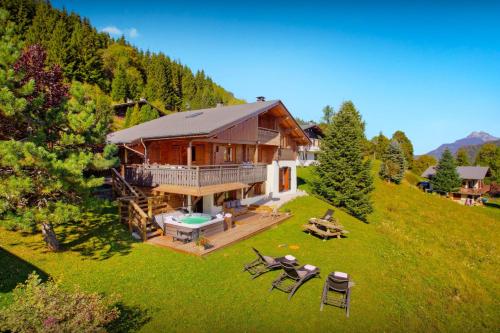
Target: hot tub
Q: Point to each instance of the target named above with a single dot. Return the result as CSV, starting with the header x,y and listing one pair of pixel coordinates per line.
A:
x,y
192,226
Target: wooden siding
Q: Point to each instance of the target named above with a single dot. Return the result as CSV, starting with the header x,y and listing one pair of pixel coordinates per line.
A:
x,y
243,132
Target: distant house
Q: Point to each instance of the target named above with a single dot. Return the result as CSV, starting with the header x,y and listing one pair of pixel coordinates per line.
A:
x,y
121,108
308,155
473,186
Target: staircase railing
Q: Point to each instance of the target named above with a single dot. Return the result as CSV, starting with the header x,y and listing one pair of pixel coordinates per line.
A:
x,y
135,209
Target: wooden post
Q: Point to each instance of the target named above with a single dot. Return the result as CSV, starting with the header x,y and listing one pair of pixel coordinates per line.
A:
x,y
256,153
150,207
122,170
190,208
125,156
189,153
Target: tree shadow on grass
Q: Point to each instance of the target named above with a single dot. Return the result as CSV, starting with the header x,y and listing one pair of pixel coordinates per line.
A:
x,y
492,204
99,236
131,319
15,270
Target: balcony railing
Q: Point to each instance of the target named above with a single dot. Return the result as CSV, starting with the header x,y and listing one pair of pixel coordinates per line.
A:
x,y
268,136
196,175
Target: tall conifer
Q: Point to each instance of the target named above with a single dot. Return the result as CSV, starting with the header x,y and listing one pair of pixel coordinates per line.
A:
x,y
342,175
393,164
446,179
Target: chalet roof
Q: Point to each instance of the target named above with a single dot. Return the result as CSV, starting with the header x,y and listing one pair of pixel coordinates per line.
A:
x,y
465,172
196,123
314,127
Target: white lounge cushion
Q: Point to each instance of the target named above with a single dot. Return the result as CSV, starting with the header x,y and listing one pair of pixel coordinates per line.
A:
x,y
289,257
309,267
340,275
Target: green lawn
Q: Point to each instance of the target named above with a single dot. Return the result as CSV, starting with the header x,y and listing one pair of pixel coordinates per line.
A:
x,y
423,263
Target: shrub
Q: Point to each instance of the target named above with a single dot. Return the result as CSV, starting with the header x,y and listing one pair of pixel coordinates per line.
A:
x,y
46,307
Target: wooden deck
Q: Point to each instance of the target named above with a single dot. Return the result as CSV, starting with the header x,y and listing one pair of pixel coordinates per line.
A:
x,y
244,227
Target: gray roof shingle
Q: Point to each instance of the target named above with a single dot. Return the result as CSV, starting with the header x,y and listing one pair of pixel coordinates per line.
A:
x,y
465,172
191,123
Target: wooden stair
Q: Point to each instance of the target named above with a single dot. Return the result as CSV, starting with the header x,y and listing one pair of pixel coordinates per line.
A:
x,y
136,209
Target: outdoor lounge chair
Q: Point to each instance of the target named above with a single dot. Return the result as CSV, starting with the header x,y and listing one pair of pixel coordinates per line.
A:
x,y
265,264
292,278
337,291
327,217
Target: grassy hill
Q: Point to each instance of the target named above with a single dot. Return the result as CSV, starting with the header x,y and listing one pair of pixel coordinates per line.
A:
x,y
422,263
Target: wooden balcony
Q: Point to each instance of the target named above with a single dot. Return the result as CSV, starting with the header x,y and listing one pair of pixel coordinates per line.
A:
x,y
268,136
285,154
195,176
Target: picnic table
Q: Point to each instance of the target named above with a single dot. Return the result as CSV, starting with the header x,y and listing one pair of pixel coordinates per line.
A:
x,y
325,229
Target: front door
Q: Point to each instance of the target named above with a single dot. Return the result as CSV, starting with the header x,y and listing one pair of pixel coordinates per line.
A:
x,y
285,179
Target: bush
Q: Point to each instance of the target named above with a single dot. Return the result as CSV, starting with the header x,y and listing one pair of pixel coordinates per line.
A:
x,y
46,307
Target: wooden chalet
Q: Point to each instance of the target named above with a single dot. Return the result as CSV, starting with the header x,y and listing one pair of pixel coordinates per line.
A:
x,y
200,159
473,186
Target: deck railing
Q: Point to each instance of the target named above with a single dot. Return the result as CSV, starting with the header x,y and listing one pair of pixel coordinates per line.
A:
x,y
196,176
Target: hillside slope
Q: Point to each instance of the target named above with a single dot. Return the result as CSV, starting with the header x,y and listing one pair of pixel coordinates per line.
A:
x,y
422,264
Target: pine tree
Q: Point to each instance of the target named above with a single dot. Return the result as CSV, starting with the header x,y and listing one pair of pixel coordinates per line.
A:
x,y
128,116
447,178
393,164
148,113
59,40
328,113
406,146
381,143
462,157
343,175
43,178
119,85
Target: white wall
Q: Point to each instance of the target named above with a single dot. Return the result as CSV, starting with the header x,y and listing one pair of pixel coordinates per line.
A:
x,y
273,176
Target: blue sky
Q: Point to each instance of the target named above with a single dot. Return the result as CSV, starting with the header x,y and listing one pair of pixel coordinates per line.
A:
x,y
431,69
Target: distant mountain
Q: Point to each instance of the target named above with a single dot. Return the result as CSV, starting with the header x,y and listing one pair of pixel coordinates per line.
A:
x,y
474,140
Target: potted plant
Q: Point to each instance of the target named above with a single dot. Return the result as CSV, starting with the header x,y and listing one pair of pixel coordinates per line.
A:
x,y
203,242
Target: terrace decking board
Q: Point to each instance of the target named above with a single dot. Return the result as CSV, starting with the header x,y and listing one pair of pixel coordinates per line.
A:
x,y
246,226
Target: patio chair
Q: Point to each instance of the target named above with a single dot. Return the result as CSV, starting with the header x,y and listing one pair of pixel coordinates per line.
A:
x,y
337,291
327,217
264,264
292,278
